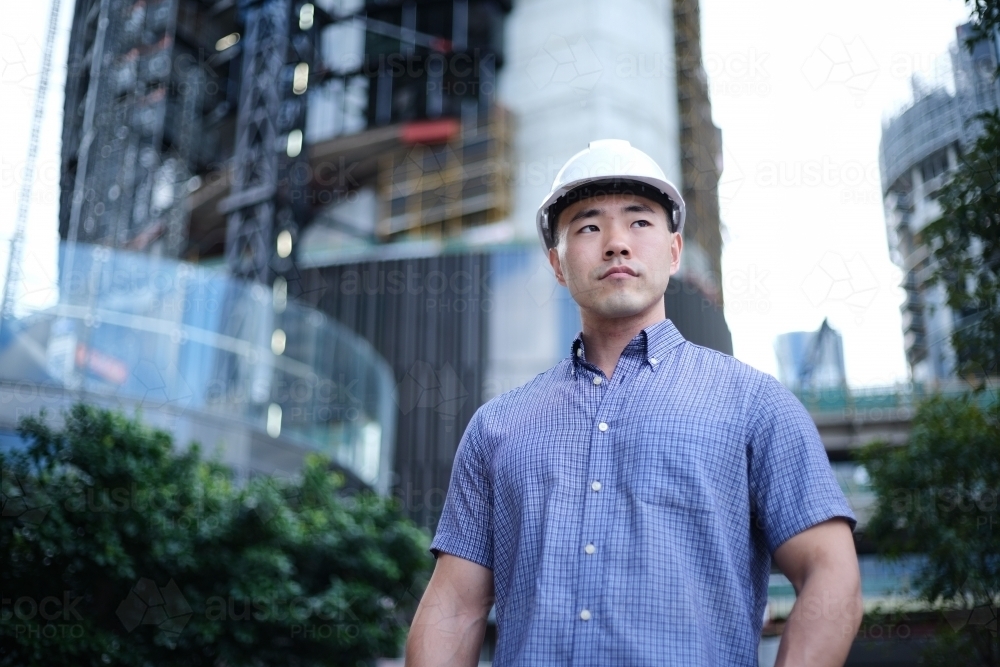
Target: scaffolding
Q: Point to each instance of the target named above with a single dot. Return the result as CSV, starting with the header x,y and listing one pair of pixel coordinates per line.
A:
x,y
701,147
142,114
12,284
440,190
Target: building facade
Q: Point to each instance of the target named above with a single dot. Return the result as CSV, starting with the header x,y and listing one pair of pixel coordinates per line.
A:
x,y
811,360
919,147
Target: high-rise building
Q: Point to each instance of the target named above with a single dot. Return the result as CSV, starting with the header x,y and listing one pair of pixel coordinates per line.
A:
x,y
918,150
811,360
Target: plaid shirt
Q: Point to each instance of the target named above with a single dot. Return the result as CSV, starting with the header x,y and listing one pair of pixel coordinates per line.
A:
x,y
631,521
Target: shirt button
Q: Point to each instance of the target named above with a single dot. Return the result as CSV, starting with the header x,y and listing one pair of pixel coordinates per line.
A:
x,y
602,426
597,379
595,485
654,360
585,615
579,351
590,548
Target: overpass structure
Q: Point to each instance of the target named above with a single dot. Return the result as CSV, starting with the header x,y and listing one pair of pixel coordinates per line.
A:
x,y
848,419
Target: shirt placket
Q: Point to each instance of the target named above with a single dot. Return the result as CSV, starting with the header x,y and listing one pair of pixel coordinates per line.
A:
x,y
592,542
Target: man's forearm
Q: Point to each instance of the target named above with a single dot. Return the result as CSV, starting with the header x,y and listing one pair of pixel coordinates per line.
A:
x,y
450,622
439,638
823,622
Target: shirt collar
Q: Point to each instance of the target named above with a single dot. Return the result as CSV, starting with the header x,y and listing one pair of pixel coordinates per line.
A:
x,y
652,343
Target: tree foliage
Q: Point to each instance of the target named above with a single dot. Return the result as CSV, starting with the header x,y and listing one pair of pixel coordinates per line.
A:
x,y
985,15
965,240
115,549
938,496
966,245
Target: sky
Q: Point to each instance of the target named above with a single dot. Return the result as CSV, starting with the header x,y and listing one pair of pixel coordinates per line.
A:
x,y
799,90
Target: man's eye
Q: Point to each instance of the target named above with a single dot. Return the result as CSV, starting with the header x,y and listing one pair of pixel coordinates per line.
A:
x,y
586,227
645,223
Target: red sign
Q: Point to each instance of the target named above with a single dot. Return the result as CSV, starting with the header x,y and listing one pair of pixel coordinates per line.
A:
x,y
102,365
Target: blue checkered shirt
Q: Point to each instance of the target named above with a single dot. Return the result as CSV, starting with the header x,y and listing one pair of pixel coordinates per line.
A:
x,y
631,521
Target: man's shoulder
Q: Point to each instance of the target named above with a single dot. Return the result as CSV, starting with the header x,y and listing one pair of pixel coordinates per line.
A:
x,y
525,399
714,365
527,392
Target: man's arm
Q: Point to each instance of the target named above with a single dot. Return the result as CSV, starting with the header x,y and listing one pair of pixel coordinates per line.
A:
x,y
448,628
823,567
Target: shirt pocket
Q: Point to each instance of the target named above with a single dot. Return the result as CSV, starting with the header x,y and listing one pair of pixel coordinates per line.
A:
x,y
669,471
672,491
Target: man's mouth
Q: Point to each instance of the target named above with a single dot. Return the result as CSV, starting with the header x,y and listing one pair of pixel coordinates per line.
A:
x,y
619,272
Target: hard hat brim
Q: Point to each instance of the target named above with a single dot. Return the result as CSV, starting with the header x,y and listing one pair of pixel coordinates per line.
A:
x,y
544,222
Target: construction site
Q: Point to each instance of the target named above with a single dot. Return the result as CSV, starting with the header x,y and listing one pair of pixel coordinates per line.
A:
x,y
303,224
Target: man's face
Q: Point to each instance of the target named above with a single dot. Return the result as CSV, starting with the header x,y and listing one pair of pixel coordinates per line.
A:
x,y
615,254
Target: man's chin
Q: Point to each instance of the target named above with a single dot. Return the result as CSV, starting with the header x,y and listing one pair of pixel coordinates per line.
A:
x,y
618,308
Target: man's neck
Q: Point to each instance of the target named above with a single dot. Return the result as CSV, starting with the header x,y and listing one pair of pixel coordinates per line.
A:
x,y
604,339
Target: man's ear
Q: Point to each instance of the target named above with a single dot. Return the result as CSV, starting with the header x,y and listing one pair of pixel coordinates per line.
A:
x,y
556,266
676,245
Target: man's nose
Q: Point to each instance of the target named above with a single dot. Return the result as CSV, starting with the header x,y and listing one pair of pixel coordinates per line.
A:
x,y
618,241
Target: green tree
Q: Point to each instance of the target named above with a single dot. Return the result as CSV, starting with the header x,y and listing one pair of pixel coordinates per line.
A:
x,y
965,240
937,496
966,245
116,549
985,15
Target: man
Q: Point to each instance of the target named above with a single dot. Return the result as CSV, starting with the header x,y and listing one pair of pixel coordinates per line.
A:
x,y
623,508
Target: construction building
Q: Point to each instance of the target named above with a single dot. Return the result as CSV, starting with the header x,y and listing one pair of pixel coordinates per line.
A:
x,y
918,150
312,223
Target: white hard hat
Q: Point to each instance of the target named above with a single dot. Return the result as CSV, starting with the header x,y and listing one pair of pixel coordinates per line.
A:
x,y
610,164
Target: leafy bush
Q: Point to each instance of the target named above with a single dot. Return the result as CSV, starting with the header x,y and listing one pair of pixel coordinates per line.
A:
x,y
115,549
938,496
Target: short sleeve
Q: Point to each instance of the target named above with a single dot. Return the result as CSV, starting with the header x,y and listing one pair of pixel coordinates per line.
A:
x,y
792,485
466,526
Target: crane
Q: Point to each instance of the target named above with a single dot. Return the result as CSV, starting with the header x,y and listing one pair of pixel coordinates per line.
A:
x,y
13,280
